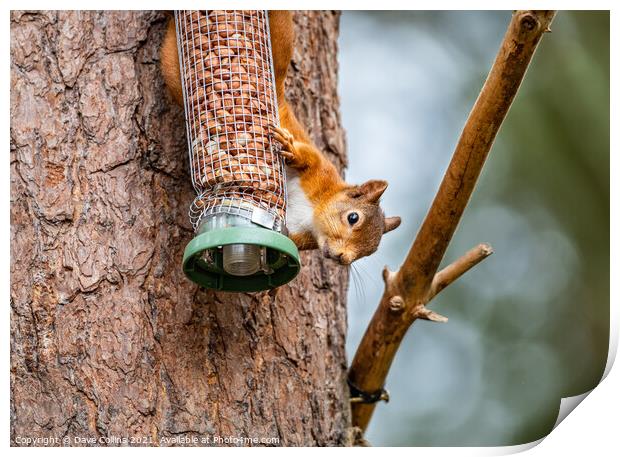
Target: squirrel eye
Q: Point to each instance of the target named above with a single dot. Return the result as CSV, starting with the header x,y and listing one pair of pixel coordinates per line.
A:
x,y
353,218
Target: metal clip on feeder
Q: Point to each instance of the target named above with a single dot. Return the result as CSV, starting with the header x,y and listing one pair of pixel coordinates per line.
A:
x,y
239,214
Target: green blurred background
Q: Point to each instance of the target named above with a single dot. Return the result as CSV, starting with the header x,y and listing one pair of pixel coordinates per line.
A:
x,y
530,325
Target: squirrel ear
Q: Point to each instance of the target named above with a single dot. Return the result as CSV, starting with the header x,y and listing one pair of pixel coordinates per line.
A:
x,y
390,223
371,190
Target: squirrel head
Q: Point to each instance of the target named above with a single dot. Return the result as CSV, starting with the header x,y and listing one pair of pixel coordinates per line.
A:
x,y
350,225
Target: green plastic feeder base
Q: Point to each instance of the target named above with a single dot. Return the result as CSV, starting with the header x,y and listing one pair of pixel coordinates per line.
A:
x,y
203,260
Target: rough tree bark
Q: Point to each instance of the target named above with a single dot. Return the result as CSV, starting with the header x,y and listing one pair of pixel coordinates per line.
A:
x,y
108,338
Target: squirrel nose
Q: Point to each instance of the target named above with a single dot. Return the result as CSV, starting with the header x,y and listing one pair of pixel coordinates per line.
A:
x,y
343,260
340,258
337,257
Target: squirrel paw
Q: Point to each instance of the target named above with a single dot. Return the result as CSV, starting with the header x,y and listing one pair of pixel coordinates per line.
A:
x,y
286,139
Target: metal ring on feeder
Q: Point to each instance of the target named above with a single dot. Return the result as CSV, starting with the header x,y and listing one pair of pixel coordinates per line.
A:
x,y
230,101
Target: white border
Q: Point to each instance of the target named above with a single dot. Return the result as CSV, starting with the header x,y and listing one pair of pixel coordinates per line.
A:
x,y
591,429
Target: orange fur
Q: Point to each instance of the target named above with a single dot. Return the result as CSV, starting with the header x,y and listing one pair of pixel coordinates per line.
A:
x,y
331,197
169,62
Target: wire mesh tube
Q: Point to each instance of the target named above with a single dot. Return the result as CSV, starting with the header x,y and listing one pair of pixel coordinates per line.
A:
x,y
229,96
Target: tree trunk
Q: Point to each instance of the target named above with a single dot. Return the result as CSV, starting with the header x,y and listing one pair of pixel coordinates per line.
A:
x,y
110,343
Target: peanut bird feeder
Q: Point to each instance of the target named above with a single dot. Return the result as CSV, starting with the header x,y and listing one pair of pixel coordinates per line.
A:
x,y
239,214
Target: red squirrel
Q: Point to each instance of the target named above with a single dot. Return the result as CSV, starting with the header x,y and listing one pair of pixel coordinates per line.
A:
x,y
344,221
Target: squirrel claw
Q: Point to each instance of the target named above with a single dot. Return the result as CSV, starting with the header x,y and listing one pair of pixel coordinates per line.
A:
x,y
287,141
288,157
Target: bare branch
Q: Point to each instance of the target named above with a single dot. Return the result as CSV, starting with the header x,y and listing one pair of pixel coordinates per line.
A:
x,y
422,312
457,268
409,289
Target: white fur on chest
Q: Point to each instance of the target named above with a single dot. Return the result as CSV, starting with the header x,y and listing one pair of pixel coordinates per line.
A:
x,y
299,211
